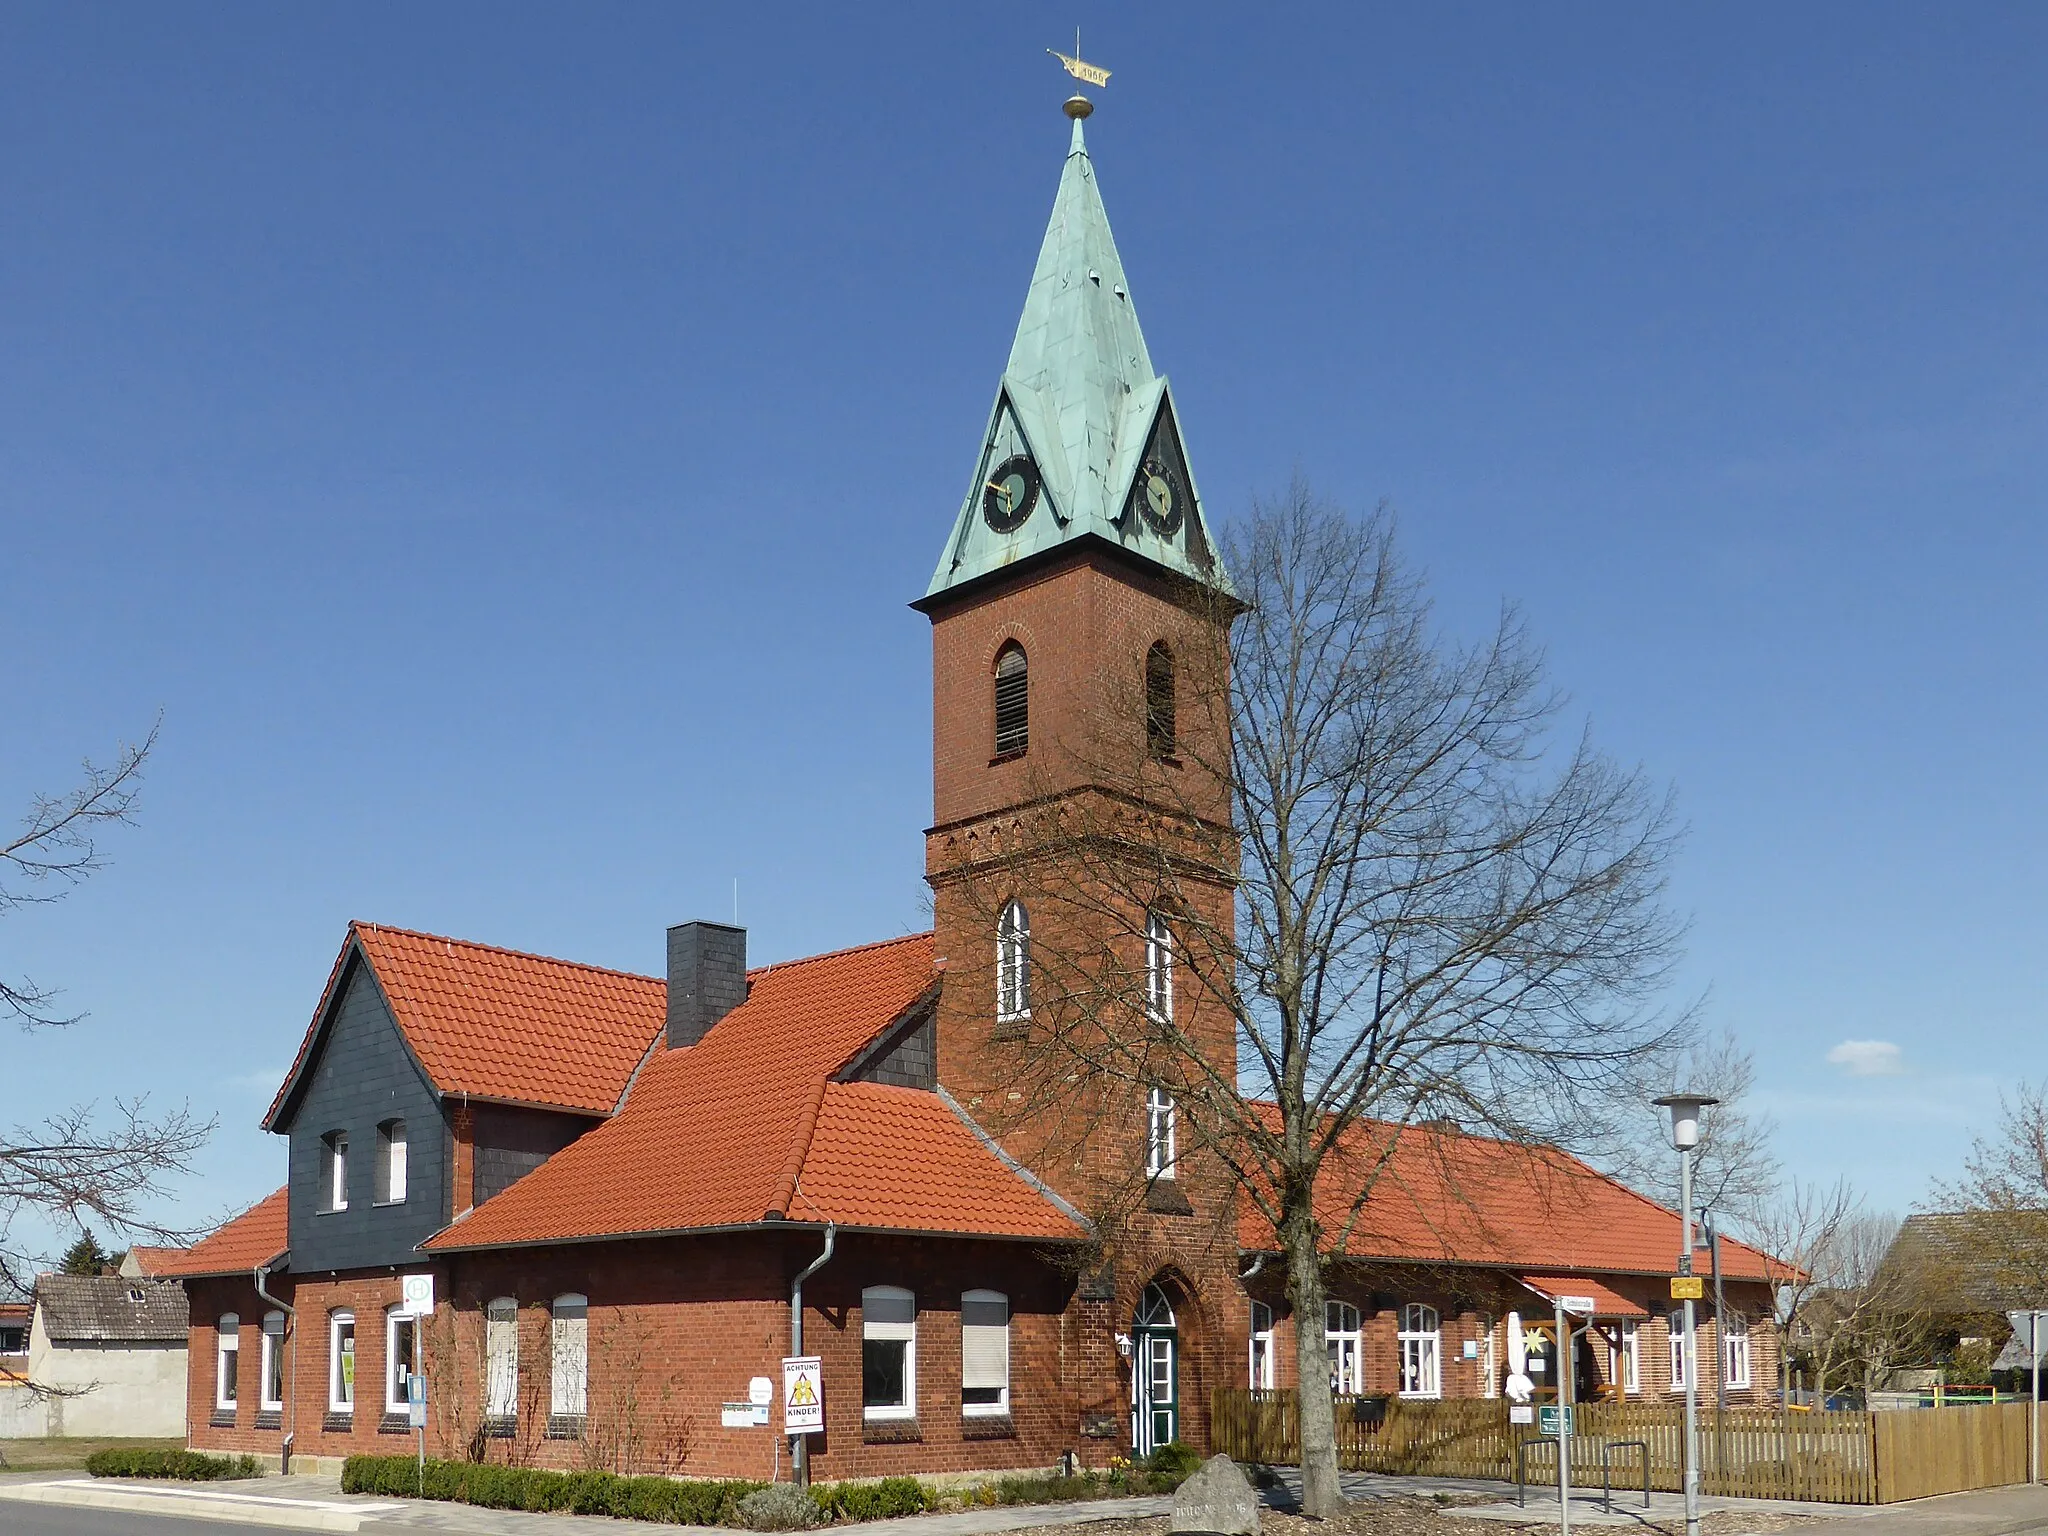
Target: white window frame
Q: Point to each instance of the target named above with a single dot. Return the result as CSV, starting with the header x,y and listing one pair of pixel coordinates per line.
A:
x,y
1421,1340
501,1358
984,1299
227,1347
272,1363
396,1321
1489,1357
1735,1359
1162,1135
1680,1356
1013,962
1259,1360
334,1150
1158,967
891,1332
1344,1342
1631,1360
391,1170
342,1378
569,1356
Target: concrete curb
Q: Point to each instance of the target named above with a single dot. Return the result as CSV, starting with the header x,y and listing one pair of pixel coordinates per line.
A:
x,y
202,1504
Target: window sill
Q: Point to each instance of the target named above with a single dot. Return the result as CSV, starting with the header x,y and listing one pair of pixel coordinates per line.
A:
x,y
501,1427
271,1418
378,1205
565,1426
1013,1028
331,1210
1163,1197
988,1426
337,1423
1008,757
395,1423
223,1418
902,1431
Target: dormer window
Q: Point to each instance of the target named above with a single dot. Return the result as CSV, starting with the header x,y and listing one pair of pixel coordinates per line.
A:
x,y
391,1162
1160,741
334,1170
1013,702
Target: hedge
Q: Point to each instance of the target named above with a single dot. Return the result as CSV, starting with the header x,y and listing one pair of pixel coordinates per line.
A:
x,y
661,1499
890,1497
192,1466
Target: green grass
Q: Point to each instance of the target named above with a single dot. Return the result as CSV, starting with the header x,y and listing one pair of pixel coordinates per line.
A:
x,y
69,1455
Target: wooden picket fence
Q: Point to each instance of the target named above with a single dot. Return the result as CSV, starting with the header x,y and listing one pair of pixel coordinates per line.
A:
x,y
1838,1457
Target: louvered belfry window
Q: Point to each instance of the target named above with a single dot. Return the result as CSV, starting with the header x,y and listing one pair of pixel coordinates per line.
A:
x,y
1013,702
1159,710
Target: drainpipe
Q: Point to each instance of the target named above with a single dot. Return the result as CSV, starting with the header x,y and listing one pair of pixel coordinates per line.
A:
x,y
291,1407
800,1445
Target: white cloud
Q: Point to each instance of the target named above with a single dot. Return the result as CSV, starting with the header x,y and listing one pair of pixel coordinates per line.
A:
x,y
1868,1058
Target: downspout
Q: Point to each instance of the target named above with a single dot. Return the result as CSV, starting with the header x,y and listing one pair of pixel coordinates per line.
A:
x,y
291,1407
800,1449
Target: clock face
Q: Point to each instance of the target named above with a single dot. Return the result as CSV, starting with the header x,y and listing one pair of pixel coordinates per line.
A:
x,y
1160,497
1011,493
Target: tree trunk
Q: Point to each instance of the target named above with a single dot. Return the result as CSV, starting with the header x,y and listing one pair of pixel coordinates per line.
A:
x,y
1321,1494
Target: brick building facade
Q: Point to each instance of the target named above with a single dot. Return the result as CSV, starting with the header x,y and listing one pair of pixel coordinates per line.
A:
x,y
616,1182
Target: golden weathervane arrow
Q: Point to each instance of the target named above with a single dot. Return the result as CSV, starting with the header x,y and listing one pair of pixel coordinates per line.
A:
x,y
1079,68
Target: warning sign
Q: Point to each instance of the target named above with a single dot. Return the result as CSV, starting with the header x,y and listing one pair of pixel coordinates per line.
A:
x,y
803,1395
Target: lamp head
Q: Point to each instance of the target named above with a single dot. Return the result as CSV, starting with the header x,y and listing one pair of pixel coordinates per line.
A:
x,y
1685,1117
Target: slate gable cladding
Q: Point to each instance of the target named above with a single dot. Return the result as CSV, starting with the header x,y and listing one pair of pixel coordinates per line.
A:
x,y
363,1075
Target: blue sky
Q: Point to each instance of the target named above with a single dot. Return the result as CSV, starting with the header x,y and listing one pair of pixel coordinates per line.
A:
x,y
502,441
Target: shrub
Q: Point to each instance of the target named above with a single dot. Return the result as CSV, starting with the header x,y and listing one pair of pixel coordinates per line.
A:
x,y
780,1507
192,1466
884,1500
1171,1465
661,1499
1046,1489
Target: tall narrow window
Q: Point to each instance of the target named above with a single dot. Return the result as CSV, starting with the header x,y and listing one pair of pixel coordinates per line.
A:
x,y
1735,1351
1161,1135
888,1353
1631,1360
227,1361
1160,742
272,1400
501,1361
341,1362
334,1170
1013,962
1489,1360
984,1353
1681,1357
1158,967
391,1162
1422,1351
1261,1372
1013,701
401,1359
569,1357
1342,1334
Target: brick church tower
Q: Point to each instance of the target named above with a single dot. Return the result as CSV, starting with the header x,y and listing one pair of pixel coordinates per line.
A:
x,y
1079,622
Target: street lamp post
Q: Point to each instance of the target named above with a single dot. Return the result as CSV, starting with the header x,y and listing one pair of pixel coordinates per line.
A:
x,y
1685,1136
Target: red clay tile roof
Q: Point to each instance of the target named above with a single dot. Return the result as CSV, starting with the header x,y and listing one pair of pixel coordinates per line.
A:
x,y
150,1261
1445,1195
496,1024
1606,1302
255,1237
745,1122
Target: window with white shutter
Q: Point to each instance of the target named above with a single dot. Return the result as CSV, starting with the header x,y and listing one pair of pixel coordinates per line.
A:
x,y
984,1353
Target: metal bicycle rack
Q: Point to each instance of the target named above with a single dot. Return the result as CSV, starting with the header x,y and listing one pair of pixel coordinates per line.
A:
x,y
1521,1449
1607,1447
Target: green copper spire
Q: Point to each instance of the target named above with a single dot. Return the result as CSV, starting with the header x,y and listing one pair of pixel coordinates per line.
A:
x,y
1082,440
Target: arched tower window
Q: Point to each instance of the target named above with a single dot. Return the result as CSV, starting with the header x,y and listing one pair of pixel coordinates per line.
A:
x,y
1160,741
1013,962
1013,701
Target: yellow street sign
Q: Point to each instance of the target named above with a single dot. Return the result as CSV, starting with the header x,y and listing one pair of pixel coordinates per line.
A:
x,y
1687,1287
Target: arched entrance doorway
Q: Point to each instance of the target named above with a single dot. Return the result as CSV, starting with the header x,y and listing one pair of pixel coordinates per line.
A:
x,y
1155,1372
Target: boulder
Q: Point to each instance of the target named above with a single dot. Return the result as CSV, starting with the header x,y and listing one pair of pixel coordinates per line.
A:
x,y
1218,1501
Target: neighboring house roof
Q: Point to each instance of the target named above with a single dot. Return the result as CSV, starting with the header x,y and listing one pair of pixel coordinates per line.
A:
x,y
746,1125
257,1236
1445,1196
110,1309
1973,1261
495,1024
144,1260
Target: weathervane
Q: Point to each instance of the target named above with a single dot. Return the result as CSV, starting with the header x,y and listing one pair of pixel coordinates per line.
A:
x,y
1078,106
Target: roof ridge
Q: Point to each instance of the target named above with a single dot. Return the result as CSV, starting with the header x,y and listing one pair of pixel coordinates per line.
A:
x,y
499,949
836,954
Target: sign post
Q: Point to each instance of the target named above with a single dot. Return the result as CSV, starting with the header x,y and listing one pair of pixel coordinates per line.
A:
x,y
416,1301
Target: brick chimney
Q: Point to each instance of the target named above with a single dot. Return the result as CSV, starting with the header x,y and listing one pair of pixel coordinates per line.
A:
x,y
707,978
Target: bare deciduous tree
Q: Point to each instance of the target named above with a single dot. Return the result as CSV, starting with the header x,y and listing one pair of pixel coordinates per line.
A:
x,y
1735,1173
1801,1234
78,1162
1385,879
2004,1188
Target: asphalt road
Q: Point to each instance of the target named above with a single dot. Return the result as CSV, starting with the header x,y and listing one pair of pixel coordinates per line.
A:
x,y
58,1520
